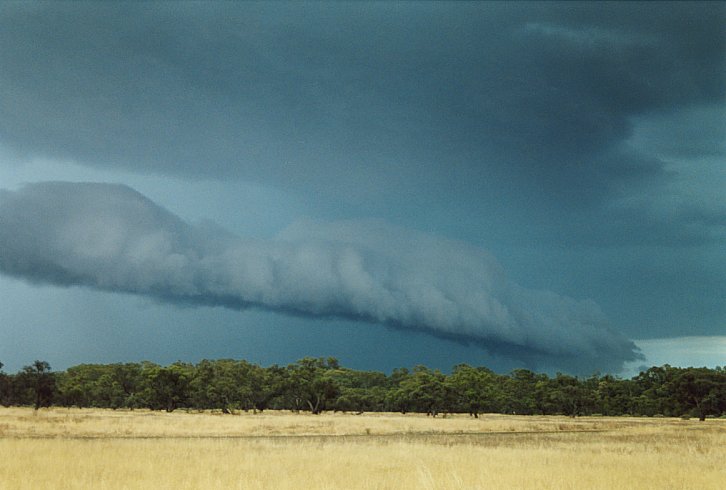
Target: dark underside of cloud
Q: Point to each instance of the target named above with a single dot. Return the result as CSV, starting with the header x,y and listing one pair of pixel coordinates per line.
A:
x,y
492,99
111,238
580,141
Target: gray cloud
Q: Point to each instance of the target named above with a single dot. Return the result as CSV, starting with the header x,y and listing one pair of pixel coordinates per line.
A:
x,y
110,237
410,98
581,142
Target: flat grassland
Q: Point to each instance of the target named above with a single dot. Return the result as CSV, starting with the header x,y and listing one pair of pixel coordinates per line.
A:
x,y
106,449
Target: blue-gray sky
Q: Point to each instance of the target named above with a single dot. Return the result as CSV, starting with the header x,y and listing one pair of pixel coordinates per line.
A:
x,y
527,184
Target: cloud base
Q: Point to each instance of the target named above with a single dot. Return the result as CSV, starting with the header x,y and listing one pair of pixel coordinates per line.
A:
x,y
112,238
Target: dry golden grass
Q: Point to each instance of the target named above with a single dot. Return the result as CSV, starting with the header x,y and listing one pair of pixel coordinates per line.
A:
x,y
99,449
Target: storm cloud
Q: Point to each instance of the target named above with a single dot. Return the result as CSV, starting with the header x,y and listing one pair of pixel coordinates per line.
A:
x,y
581,143
376,98
112,238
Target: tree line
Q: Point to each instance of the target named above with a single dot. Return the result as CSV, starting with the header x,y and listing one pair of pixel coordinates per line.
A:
x,y
319,384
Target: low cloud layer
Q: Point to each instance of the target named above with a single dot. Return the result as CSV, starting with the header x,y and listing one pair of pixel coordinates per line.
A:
x,y
399,97
111,238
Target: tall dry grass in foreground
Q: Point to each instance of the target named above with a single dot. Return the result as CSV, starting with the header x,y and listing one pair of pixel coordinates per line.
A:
x,y
99,449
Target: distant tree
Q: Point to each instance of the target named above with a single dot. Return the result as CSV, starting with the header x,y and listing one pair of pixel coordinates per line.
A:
x,y
614,396
700,390
524,392
652,394
426,391
127,382
318,384
230,385
475,390
166,388
38,383
569,396
267,384
360,391
395,397
80,385
311,385
5,387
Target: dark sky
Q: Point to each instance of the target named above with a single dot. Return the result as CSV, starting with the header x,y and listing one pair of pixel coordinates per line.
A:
x,y
507,184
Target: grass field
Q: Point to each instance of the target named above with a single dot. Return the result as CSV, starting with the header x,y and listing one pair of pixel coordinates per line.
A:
x,y
103,449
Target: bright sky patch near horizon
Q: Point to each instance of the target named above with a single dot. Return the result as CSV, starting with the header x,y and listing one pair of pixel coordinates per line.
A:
x,y
510,185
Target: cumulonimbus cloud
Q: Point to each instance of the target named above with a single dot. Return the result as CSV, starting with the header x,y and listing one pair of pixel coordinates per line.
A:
x,y
110,237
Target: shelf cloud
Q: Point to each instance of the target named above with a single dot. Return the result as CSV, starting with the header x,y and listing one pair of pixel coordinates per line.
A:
x,y
110,237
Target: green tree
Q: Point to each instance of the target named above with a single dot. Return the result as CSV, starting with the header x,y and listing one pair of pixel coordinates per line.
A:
x,y
100,385
38,383
395,398
266,384
653,392
360,391
700,390
77,386
426,391
5,387
569,396
475,390
222,384
166,388
310,383
524,393
127,383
